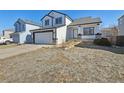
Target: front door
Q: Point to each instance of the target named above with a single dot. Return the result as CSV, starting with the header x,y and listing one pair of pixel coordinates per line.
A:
x,y
75,33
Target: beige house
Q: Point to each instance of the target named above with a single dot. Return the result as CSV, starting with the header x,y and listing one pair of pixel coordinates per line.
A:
x,y
120,37
85,28
110,33
121,26
7,33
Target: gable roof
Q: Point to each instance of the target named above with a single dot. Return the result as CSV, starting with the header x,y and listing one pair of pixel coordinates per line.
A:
x,y
45,16
10,29
26,21
85,20
121,17
59,13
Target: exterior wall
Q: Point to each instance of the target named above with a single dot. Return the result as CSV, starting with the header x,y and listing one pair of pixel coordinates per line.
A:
x,y
67,21
61,35
121,26
69,33
26,36
22,37
16,38
71,30
50,22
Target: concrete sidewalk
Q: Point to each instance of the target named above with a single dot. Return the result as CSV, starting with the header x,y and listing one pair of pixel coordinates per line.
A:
x,y
13,51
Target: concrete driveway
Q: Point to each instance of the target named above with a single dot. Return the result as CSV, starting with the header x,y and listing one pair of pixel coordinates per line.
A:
x,y
13,51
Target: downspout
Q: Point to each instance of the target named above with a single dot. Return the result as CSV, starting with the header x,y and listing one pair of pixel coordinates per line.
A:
x,y
33,37
56,40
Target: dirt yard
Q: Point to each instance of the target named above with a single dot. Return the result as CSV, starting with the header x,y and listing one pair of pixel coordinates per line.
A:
x,y
78,64
7,46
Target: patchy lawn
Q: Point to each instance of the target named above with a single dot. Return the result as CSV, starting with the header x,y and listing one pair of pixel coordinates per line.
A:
x,y
78,64
7,46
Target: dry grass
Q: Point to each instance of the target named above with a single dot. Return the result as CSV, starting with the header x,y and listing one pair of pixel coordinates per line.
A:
x,y
7,46
78,64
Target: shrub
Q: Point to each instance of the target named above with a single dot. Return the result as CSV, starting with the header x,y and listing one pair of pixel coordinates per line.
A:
x,y
98,34
79,34
102,42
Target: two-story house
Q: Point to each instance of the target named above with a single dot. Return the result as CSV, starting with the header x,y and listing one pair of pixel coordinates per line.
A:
x,y
22,32
120,37
121,26
54,28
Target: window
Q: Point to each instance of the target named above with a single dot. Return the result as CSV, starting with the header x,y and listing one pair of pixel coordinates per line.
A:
x,y
17,26
58,20
22,27
88,31
46,22
121,21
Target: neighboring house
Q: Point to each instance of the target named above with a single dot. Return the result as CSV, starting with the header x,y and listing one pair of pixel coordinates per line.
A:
x,y
120,37
109,32
121,26
84,28
22,32
54,28
7,33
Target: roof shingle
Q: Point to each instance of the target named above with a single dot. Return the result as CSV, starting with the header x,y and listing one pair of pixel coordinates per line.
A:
x,y
30,22
85,20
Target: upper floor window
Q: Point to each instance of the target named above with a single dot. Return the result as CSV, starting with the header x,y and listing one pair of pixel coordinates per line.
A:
x,y
58,20
46,22
88,31
22,27
121,21
19,27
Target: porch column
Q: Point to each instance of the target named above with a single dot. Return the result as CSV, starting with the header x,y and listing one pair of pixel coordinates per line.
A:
x,y
82,31
79,30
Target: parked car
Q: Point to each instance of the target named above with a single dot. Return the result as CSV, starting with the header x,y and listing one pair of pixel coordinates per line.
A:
x,y
4,40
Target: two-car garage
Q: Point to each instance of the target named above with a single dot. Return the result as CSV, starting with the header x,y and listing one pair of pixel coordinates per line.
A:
x,y
43,37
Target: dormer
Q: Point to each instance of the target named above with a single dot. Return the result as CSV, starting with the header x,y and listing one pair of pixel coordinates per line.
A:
x,y
54,19
47,21
19,26
58,18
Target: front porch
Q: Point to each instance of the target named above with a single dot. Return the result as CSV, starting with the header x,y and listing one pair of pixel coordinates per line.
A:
x,y
87,31
87,37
